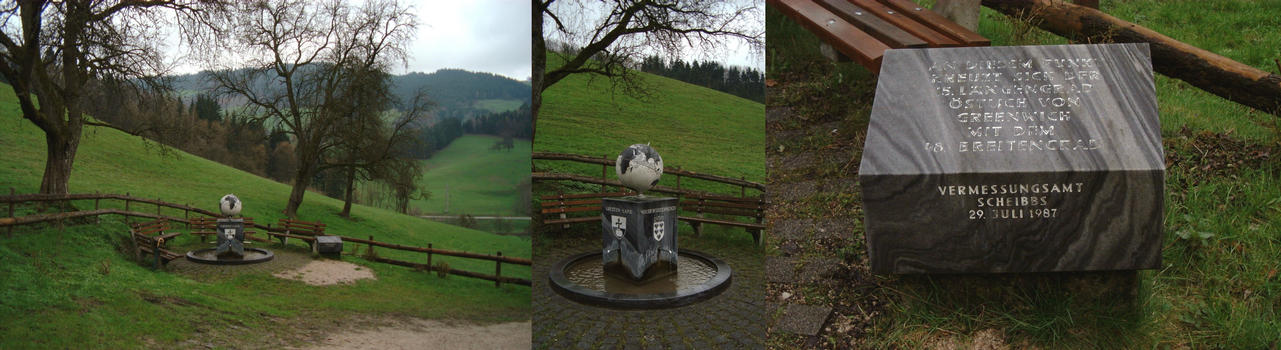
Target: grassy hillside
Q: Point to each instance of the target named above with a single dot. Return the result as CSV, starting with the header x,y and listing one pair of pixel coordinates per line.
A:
x,y
474,179
77,288
692,127
1218,286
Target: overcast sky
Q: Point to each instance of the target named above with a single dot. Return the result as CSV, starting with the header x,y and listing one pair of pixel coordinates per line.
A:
x,y
476,35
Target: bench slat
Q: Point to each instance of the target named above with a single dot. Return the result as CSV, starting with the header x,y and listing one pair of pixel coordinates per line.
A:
x,y
570,210
583,195
843,36
938,22
570,203
908,24
722,222
877,27
572,220
715,204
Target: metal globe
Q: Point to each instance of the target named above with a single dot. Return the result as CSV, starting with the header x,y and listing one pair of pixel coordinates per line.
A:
x,y
639,167
230,205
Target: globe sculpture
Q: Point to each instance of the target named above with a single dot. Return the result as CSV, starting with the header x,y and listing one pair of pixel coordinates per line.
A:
x,y
639,265
639,167
230,248
230,205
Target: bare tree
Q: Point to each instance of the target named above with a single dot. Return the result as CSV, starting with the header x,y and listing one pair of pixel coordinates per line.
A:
x,y
626,30
52,50
300,64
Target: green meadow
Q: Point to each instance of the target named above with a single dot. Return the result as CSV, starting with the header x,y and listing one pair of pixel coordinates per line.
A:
x,y
692,127
76,286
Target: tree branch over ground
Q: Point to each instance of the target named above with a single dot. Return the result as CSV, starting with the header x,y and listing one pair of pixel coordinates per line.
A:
x,y
56,49
611,44
318,72
1211,72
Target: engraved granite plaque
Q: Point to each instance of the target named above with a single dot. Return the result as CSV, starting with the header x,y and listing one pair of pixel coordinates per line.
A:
x,y
1014,159
639,233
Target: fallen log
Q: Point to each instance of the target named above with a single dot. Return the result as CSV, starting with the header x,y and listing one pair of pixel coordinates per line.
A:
x,y
1211,72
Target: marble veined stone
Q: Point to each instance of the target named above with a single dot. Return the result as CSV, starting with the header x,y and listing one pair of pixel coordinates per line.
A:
x,y
1014,159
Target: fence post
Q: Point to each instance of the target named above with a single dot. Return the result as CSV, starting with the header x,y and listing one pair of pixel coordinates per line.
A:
x,y
10,212
429,256
155,252
157,206
742,189
96,196
603,177
127,216
498,271
370,252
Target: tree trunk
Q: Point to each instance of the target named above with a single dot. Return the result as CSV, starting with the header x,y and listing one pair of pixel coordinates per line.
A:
x,y
538,61
1215,74
60,152
963,12
351,184
302,179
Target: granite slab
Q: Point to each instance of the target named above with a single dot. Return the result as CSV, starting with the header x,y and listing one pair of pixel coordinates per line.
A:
x,y
1014,159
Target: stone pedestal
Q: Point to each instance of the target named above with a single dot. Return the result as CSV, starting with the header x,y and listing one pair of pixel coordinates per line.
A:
x,y
639,233
1014,159
231,237
329,244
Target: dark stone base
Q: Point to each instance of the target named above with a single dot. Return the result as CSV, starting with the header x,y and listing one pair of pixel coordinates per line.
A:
x,y
638,232
329,244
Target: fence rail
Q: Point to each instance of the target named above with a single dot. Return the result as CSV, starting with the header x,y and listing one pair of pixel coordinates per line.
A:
x,y
604,180
14,199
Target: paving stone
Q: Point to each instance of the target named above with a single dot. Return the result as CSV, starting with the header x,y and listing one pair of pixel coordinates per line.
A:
x,y
803,319
780,270
813,271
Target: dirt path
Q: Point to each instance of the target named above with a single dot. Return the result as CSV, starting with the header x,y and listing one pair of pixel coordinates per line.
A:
x,y
327,272
429,334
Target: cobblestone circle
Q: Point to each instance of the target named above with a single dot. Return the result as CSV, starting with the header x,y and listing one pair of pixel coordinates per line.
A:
x,y
732,320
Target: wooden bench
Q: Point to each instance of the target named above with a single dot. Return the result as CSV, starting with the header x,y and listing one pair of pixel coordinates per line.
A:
x,y
150,238
305,231
863,29
205,226
564,204
752,208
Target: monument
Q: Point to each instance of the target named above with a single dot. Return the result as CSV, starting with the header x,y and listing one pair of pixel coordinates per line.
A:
x,y
639,265
230,247
1014,159
231,231
639,232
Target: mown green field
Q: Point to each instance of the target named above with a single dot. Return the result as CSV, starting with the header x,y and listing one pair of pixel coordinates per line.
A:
x,y
468,177
78,288
498,105
1219,285
692,127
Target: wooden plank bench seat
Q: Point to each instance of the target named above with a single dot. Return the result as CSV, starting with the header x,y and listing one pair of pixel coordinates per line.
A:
x,y
864,29
150,238
205,226
562,205
305,231
751,208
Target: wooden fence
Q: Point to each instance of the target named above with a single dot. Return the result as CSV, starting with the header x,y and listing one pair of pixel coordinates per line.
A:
x,y
13,199
604,180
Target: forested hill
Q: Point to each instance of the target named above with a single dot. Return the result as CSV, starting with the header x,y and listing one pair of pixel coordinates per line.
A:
x,y
461,93
457,93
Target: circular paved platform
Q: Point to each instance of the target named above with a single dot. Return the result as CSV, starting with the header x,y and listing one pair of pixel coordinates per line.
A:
x,y
732,320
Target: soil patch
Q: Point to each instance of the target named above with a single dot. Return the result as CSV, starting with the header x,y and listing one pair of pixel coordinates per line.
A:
x,y
327,272
430,334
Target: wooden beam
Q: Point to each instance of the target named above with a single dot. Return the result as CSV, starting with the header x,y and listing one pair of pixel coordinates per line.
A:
x,y
877,27
938,22
1211,72
910,25
843,36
